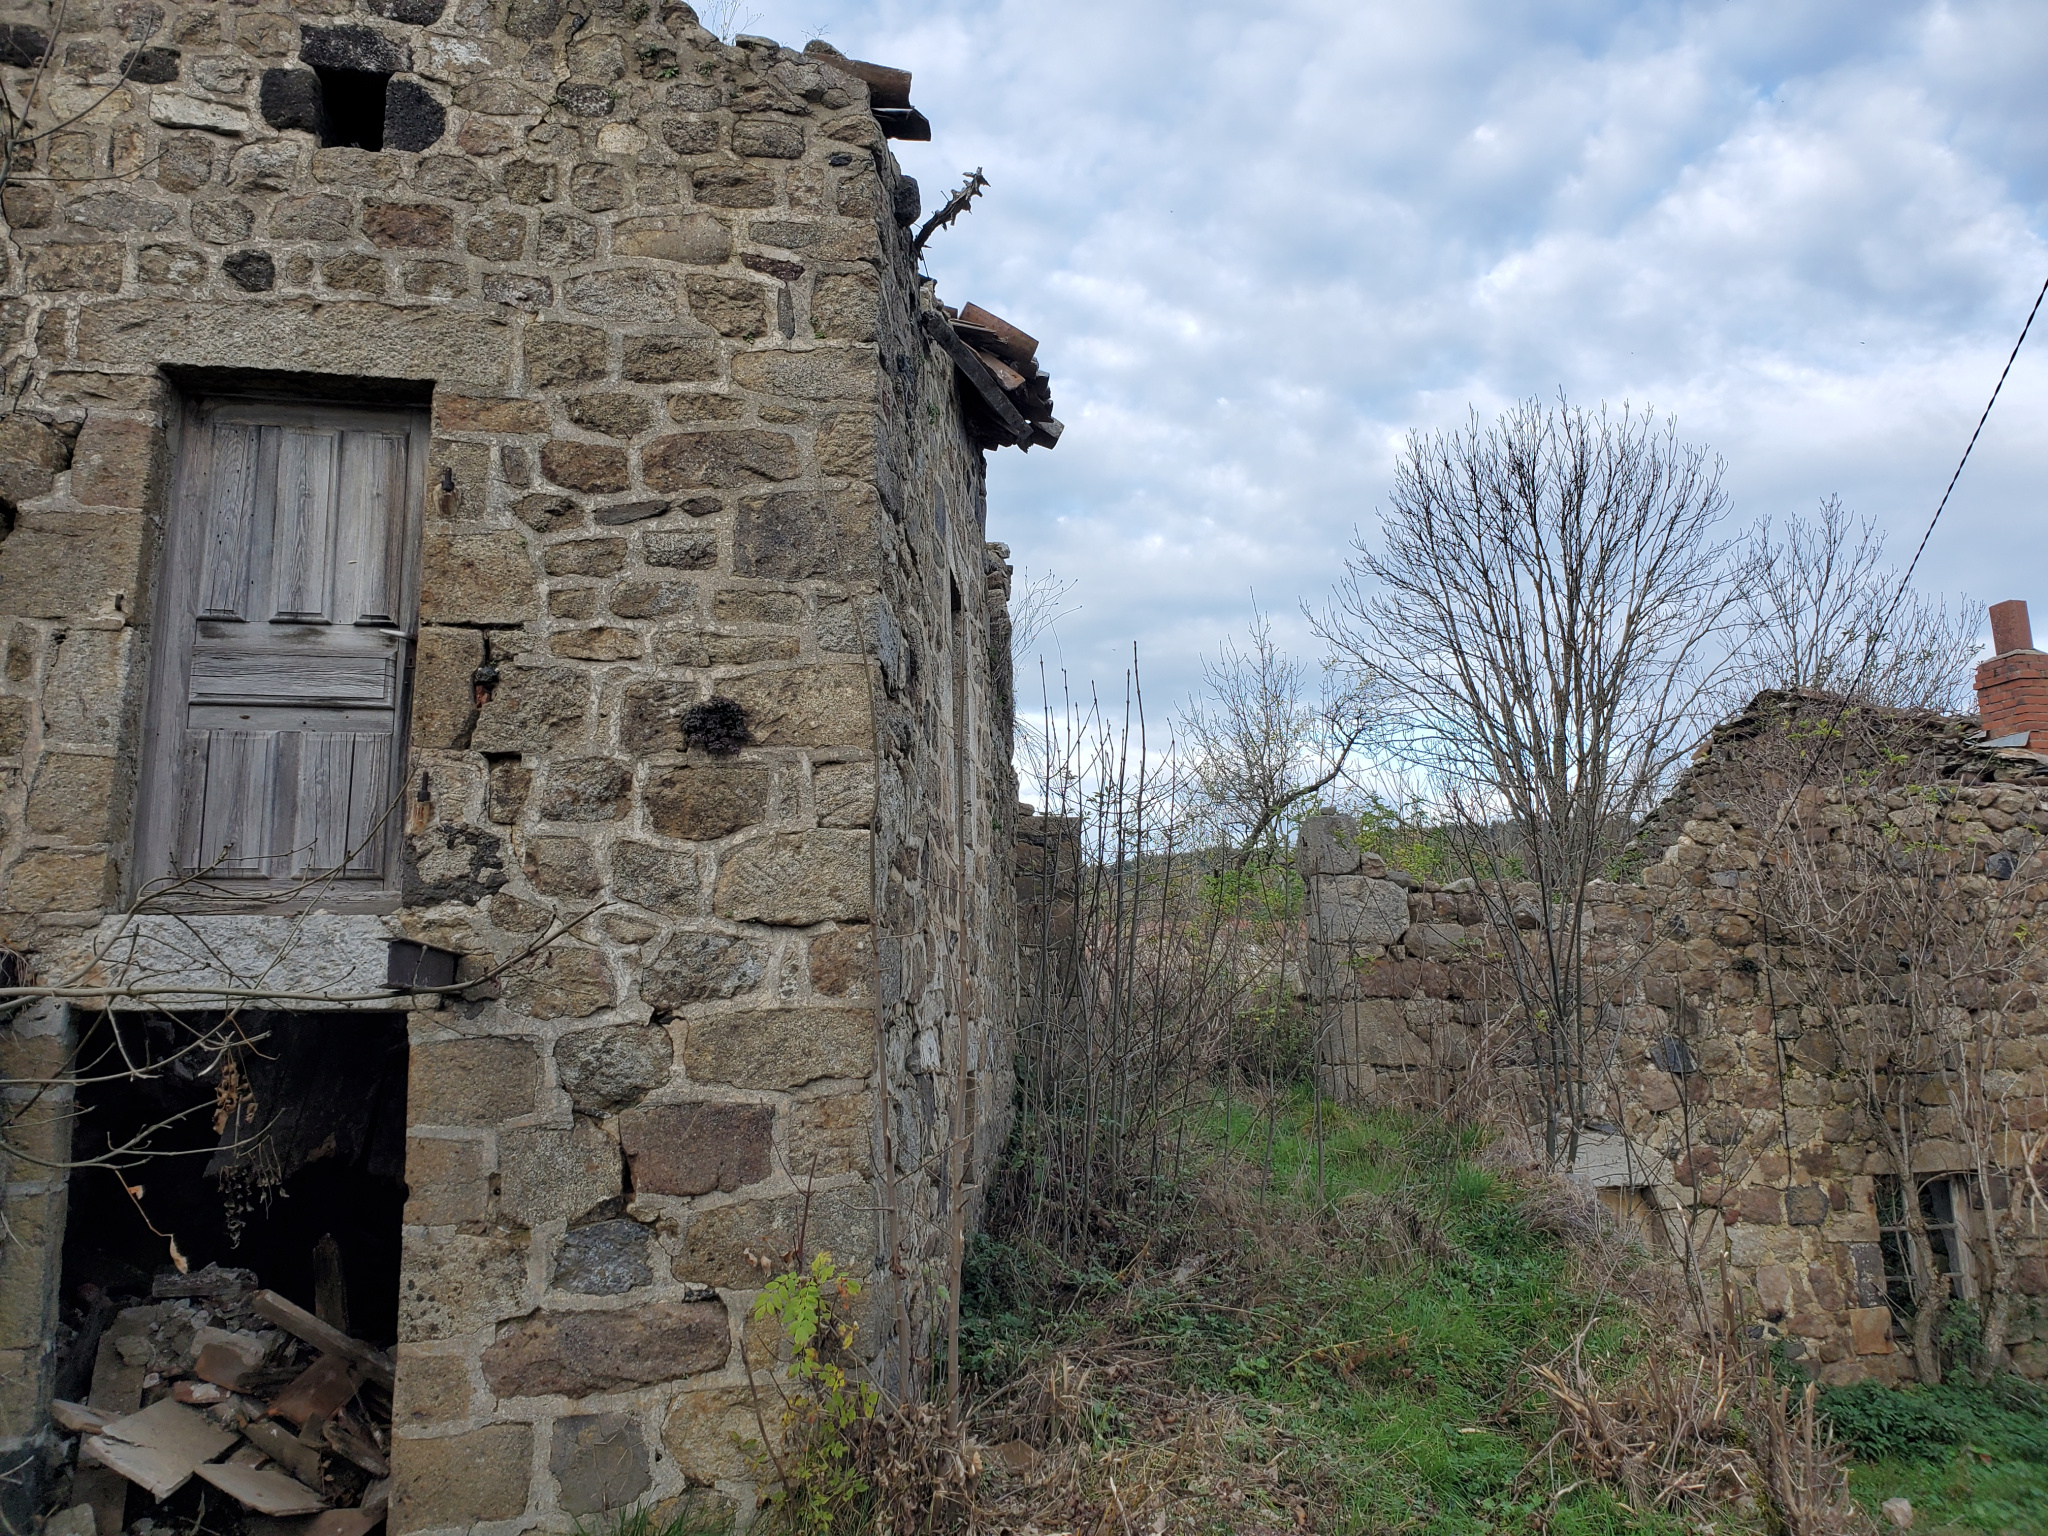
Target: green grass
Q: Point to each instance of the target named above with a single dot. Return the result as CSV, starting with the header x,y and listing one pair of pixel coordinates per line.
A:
x,y
692,1515
1397,1389
1969,1458
1392,1364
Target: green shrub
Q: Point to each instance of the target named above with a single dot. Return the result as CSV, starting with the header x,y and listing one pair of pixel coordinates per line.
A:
x,y
2008,1419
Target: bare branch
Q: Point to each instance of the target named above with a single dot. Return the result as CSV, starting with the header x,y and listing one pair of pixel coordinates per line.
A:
x,y
970,188
1816,611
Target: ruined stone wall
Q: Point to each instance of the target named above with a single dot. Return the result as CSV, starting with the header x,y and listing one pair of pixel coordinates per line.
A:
x,y
946,798
688,441
1763,1156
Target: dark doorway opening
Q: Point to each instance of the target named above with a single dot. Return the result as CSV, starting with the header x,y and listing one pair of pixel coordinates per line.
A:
x,y
283,1154
354,107
231,1264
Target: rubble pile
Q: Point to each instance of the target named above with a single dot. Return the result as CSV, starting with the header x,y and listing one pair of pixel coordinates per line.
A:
x,y
269,1409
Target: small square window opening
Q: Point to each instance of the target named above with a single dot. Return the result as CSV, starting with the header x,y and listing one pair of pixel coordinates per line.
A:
x,y
354,103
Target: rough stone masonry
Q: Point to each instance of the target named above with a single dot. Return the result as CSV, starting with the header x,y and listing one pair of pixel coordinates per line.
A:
x,y
1734,1128
704,641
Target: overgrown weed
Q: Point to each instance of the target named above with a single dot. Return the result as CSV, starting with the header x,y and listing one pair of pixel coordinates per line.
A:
x,y
1246,1358
1451,1341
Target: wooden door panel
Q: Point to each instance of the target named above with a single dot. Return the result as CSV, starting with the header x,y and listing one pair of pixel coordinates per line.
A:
x,y
340,796
227,673
237,801
302,527
237,452
372,486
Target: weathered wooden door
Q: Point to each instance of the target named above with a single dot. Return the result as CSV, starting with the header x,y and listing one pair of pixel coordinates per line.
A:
x,y
284,626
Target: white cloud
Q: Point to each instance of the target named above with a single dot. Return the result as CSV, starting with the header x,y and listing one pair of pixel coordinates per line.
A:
x,y
1260,245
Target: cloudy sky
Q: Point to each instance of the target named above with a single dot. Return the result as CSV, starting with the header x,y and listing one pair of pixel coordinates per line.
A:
x,y
1261,242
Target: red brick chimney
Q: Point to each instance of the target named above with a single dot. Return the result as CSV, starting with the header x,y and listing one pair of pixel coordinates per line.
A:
x,y
2012,687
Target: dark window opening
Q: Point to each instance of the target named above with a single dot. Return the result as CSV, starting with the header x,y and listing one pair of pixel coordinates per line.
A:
x,y
1938,1210
353,100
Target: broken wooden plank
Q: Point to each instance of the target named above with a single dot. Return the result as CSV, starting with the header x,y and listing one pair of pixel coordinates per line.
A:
x,y
77,1419
168,1425
264,1489
887,87
159,1473
1046,434
1008,377
976,336
330,1282
283,1447
319,1390
1015,344
347,1439
297,1321
984,383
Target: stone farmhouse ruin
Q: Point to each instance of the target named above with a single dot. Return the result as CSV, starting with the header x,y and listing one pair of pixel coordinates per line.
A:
x,y
1735,1057
499,621
505,771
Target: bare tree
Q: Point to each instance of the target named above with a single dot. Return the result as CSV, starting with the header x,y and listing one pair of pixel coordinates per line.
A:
x,y
1266,742
1133,973
1544,611
1820,609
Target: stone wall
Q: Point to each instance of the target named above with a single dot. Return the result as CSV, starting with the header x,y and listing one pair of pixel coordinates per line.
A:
x,y
688,441
1757,1150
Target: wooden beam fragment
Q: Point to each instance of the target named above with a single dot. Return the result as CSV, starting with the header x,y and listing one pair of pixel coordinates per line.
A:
x,y
1005,375
904,123
985,386
297,1321
160,1473
77,1419
169,1426
265,1490
283,1447
1012,342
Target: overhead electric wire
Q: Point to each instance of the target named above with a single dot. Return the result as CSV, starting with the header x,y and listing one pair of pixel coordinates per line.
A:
x,y
1952,479
1780,1040
1899,597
